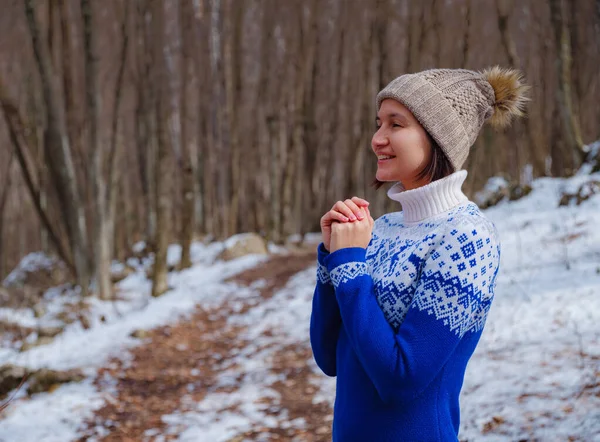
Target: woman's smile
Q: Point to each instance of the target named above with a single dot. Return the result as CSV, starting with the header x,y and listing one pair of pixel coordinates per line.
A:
x,y
382,159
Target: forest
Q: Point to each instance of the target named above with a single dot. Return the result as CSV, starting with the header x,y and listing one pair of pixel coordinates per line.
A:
x,y
163,121
164,167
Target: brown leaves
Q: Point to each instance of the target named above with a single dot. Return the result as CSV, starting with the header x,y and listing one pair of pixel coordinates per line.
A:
x,y
185,359
492,424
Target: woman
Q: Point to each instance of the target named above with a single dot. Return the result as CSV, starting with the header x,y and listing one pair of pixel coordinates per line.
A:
x,y
401,302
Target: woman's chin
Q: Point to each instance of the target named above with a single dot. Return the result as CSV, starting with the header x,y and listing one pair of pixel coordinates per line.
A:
x,y
383,176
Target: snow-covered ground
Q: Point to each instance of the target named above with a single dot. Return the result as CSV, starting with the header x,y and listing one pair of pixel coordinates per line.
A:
x,y
287,315
536,372
534,376
65,409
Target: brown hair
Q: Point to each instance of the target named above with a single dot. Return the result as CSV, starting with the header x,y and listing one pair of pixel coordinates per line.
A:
x,y
439,166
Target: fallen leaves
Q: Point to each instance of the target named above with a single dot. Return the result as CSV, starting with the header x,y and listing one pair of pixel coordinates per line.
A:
x,y
185,359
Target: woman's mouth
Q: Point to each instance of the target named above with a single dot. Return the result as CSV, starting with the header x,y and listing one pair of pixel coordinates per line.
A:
x,y
384,158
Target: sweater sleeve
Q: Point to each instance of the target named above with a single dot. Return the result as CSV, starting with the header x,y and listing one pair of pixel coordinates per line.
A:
x,y
452,297
325,320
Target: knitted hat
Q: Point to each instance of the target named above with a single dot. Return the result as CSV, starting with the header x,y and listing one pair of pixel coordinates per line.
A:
x,y
453,104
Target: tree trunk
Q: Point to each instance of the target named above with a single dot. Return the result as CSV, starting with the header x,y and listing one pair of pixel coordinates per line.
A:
x,y
523,129
4,193
73,114
144,122
303,127
219,146
466,37
263,127
233,74
201,54
187,182
163,169
294,139
508,42
114,153
274,176
564,96
161,243
597,26
437,29
58,153
328,154
102,228
16,135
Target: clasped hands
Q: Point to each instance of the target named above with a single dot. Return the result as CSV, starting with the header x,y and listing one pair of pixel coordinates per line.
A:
x,y
347,224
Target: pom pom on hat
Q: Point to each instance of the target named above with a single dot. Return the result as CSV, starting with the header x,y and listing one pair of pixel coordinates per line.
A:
x,y
510,94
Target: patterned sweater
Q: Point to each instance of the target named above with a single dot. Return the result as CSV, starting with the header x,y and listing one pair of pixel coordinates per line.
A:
x,y
397,322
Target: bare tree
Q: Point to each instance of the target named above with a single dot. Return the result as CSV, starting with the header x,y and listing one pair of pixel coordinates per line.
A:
x,y
144,120
260,103
115,146
5,186
502,9
265,115
597,25
163,171
466,36
17,138
233,74
186,18
102,230
203,185
56,143
564,94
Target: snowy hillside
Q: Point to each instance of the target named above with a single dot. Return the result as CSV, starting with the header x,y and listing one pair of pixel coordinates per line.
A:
x,y
535,374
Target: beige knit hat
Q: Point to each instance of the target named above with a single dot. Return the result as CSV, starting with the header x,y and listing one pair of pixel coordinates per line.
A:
x,y
453,104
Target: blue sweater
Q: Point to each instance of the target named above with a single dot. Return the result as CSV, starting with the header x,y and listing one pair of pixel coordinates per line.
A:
x,y
397,323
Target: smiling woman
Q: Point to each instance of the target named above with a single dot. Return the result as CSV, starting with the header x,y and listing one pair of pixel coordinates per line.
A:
x,y
405,151
400,303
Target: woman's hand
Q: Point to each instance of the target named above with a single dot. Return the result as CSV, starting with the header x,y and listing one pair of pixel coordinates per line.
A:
x,y
356,234
342,212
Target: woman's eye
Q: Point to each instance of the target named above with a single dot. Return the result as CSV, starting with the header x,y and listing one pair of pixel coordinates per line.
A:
x,y
396,125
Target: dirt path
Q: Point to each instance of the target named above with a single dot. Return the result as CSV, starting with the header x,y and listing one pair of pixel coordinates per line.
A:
x,y
185,359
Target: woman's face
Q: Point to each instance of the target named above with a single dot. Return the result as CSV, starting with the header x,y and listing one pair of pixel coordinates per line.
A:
x,y
401,145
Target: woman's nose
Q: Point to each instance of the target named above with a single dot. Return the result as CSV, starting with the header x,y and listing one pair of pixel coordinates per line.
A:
x,y
379,139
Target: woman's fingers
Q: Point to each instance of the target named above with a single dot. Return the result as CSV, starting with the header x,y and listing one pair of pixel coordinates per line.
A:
x,y
341,207
359,201
333,215
349,210
338,216
358,212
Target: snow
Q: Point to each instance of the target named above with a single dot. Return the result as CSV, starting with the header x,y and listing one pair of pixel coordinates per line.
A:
x,y
209,418
593,151
541,343
232,241
30,263
493,185
139,246
90,349
534,374
51,417
211,422
80,348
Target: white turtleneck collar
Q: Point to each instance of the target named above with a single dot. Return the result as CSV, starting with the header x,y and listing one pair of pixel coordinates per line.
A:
x,y
432,199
